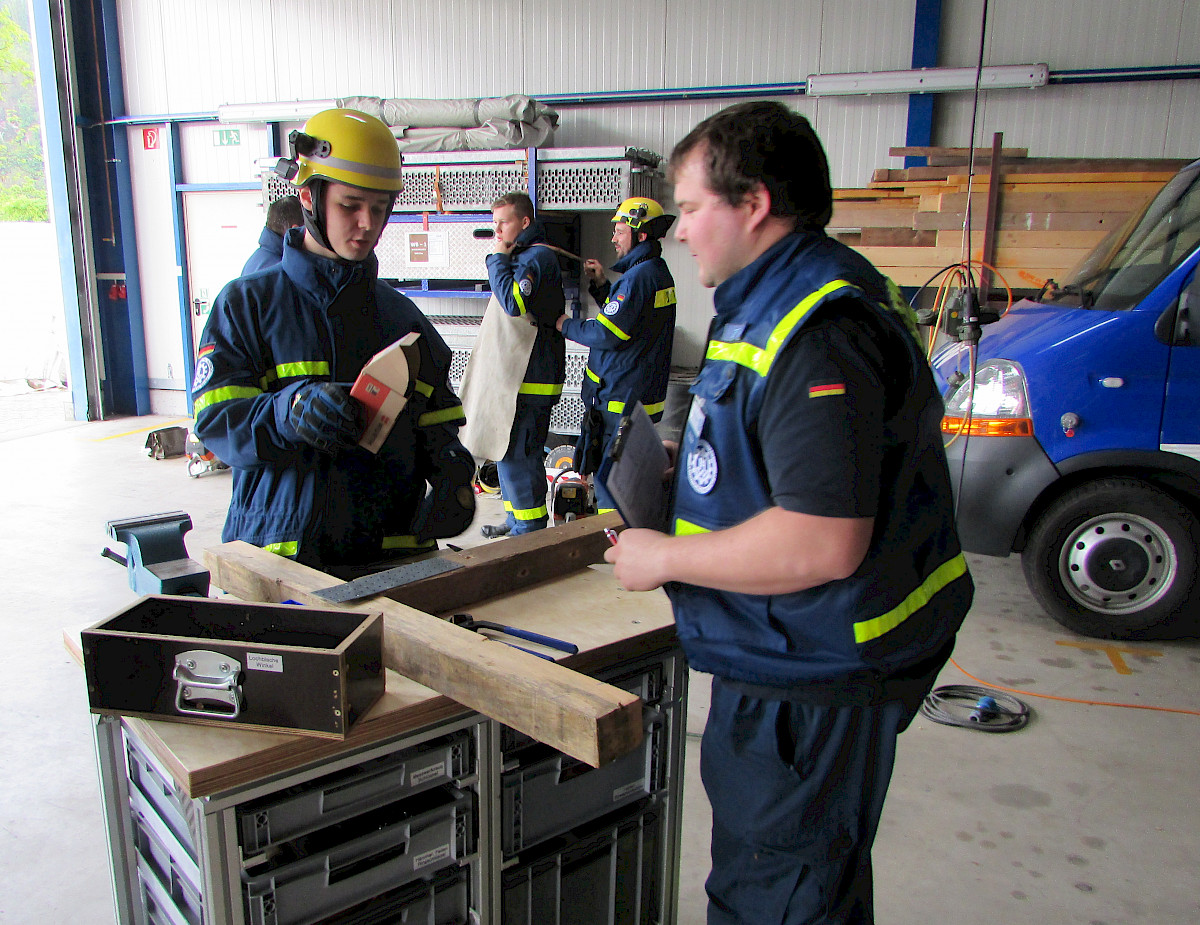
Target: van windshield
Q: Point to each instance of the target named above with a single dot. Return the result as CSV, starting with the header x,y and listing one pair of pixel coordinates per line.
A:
x,y
1129,263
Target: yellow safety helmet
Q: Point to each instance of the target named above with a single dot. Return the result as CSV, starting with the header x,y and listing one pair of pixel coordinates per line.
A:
x,y
644,215
346,146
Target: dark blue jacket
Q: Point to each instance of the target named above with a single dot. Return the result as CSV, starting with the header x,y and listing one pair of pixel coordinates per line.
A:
x,y
632,336
313,318
269,253
909,596
527,282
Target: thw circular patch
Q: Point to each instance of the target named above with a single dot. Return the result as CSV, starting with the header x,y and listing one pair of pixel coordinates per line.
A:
x,y
204,371
702,467
611,308
526,287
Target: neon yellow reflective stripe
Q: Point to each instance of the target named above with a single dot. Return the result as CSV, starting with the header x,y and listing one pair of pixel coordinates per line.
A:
x,y
526,513
612,327
294,370
655,408
540,388
938,579
283,549
406,541
517,296
229,393
605,510
616,407
759,359
685,528
429,418
664,297
591,375
423,387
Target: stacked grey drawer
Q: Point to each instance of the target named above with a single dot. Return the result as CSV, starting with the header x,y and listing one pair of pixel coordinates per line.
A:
x,y
383,840
587,845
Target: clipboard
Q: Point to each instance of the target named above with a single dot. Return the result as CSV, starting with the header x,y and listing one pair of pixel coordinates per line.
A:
x,y
632,471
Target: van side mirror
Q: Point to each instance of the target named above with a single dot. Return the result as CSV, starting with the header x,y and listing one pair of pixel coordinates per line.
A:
x,y
1173,326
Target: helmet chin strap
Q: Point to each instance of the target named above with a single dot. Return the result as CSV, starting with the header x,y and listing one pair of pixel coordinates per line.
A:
x,y
314,220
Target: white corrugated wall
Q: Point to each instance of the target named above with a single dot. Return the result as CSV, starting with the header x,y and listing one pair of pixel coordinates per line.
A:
x,y
189,57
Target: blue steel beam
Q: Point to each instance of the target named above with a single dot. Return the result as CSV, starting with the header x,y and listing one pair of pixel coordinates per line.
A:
x,y
927,40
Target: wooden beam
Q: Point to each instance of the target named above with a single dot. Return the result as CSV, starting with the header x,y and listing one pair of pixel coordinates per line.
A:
x,y
980,153
509,564
991,219
585,718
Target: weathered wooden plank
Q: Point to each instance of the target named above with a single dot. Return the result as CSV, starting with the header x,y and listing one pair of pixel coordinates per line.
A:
x,y
897,237
872,215
509,564
1026,201
1024,221
941,256
587,719
937,151
1025,239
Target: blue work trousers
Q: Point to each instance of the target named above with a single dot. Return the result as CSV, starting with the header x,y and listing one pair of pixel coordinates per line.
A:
x,y
522,471
796,792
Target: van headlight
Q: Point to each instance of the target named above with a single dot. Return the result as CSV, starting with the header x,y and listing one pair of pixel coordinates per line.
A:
x,y
997,405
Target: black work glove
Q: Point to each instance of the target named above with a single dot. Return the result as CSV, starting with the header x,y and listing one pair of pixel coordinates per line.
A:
x,y
324,415
449,506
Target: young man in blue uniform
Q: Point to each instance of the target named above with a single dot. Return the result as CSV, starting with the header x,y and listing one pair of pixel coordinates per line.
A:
x,y
527,283
283,214
631,337
276,358
812,563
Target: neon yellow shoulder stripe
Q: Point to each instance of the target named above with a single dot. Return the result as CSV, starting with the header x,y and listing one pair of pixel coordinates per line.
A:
x,y
686,528
519,299
941,576
228,393
664,297
759,359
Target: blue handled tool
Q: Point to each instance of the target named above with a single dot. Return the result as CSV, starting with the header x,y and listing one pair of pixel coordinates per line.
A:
x,y
466,621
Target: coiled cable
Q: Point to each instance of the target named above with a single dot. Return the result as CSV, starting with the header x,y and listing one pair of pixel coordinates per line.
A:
x,y
971,707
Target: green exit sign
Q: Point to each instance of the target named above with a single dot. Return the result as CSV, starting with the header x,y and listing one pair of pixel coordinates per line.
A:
x,y
227,137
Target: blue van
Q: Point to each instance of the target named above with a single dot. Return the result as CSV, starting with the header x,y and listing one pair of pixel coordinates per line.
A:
x,y
1076,441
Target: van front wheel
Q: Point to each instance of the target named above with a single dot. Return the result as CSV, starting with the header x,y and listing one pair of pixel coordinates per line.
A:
x,y
1115,559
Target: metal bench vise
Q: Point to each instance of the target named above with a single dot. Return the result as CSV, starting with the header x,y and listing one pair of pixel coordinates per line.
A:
x,y
157,560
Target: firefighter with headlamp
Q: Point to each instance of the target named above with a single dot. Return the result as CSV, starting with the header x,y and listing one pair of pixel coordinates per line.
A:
x,y
280,350
632,335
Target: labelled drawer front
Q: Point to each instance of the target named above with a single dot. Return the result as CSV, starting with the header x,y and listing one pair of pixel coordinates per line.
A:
x,y
345,864
327,800
556,793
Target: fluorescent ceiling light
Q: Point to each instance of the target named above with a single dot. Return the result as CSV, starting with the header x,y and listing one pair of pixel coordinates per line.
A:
x,y
293,111
929,80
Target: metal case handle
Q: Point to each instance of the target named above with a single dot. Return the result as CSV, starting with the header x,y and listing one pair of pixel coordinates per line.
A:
x,y
206,684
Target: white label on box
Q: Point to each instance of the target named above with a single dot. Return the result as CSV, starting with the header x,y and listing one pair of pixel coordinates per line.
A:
x,y
431,857
623,793
433,772
257,661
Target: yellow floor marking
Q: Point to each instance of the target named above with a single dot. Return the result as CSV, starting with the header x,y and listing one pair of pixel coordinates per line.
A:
x,y
1113,652
144,430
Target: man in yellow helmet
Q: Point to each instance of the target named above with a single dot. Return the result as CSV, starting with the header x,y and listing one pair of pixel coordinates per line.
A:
x,y
277,356
631,337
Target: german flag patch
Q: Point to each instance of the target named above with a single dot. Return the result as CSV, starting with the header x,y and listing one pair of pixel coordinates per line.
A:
x,y
207,349
826,388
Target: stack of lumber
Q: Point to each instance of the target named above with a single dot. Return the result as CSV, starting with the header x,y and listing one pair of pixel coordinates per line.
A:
x,y
1050,212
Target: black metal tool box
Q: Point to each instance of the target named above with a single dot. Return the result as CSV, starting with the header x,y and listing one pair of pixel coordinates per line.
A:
x,y
264,666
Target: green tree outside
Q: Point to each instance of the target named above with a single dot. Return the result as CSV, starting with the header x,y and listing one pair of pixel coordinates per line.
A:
x,y
22,171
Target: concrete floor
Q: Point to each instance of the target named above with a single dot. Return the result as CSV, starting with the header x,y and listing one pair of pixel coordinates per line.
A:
x,y
1087,816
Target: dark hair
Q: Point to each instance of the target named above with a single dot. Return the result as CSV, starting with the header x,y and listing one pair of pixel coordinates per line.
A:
x,y
763,142
283,213
520,202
